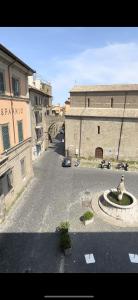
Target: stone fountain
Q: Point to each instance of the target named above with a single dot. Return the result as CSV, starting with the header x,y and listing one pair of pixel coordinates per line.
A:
x,y
121,189
118,203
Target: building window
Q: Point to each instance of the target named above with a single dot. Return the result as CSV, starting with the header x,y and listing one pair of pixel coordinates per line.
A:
x,y
20,131
112,102
1,188
39,133
23,171
40,100
10,180
47,112
88,102
5,137
37,117
98,129
35,99
40,117
15,86
1,83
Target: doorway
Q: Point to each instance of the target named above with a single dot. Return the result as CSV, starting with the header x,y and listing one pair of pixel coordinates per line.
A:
x,y
99,152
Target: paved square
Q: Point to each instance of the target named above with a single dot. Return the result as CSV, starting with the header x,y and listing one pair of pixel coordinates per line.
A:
x,y
28,238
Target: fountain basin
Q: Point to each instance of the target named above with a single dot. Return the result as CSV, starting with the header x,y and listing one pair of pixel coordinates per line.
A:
x,y
122,212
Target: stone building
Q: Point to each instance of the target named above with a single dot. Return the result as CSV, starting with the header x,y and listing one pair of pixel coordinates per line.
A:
x,y
103,122
67,105
41,110
15,127
57,110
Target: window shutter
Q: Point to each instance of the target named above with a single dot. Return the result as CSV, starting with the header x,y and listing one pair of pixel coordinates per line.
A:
x,y
1,83
20,131
15,86
5,135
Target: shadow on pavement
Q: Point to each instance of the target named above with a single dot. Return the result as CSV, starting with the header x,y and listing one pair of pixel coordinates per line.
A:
x,y
40,252
58,145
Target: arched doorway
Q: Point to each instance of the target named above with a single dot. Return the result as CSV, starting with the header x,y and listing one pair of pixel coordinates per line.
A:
x,y
98,152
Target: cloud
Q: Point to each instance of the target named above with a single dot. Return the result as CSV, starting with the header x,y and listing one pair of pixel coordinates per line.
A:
x,y
114,63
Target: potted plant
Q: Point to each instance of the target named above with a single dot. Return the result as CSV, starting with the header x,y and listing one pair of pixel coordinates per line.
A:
x,y
65,243
63,227
87,217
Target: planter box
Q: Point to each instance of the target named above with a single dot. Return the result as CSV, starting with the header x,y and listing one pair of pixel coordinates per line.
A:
x,y
87,222
68,251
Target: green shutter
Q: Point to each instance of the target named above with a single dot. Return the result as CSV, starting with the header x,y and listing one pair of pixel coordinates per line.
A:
x,y
5,135
1,83
20,131
15,86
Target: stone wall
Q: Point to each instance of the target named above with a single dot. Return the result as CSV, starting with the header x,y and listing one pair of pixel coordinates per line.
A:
x,y
82,134
103,99
14,157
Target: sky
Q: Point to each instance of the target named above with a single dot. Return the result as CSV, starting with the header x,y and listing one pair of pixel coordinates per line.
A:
x,y
68,56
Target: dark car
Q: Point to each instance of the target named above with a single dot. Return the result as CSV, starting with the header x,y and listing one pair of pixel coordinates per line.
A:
x,y
66,162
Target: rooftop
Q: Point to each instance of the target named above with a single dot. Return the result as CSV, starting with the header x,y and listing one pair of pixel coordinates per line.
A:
x,y
33,88
5,50
106,88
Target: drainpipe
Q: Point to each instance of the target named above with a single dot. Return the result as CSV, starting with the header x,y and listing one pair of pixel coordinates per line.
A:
x,y
121,127
80,135
11,99
81,125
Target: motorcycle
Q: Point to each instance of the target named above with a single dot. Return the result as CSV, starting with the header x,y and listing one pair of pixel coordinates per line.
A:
x,y
105,164
122,166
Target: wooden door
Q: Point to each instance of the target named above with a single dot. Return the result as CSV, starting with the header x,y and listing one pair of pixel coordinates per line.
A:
x,y
99,152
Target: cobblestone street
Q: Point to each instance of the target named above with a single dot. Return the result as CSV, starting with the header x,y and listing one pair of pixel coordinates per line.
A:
x,y
28,237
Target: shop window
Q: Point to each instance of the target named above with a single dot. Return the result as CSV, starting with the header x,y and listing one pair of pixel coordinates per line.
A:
x,y
10,180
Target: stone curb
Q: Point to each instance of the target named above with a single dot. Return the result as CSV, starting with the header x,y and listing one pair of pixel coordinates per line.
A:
x,y
105,217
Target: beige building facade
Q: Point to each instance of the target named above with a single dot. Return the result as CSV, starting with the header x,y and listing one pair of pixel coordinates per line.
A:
x,y
41,110
15,128
103,122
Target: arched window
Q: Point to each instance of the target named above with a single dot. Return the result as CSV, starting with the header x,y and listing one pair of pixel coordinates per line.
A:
x,y
88,102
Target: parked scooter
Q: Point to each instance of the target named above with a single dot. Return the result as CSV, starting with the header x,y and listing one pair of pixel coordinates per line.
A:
x,y
77,163
105,164
123,166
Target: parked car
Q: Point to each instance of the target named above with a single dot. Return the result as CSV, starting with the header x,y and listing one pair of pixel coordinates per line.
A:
x,y
61,131
122,166
105,164
66,162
